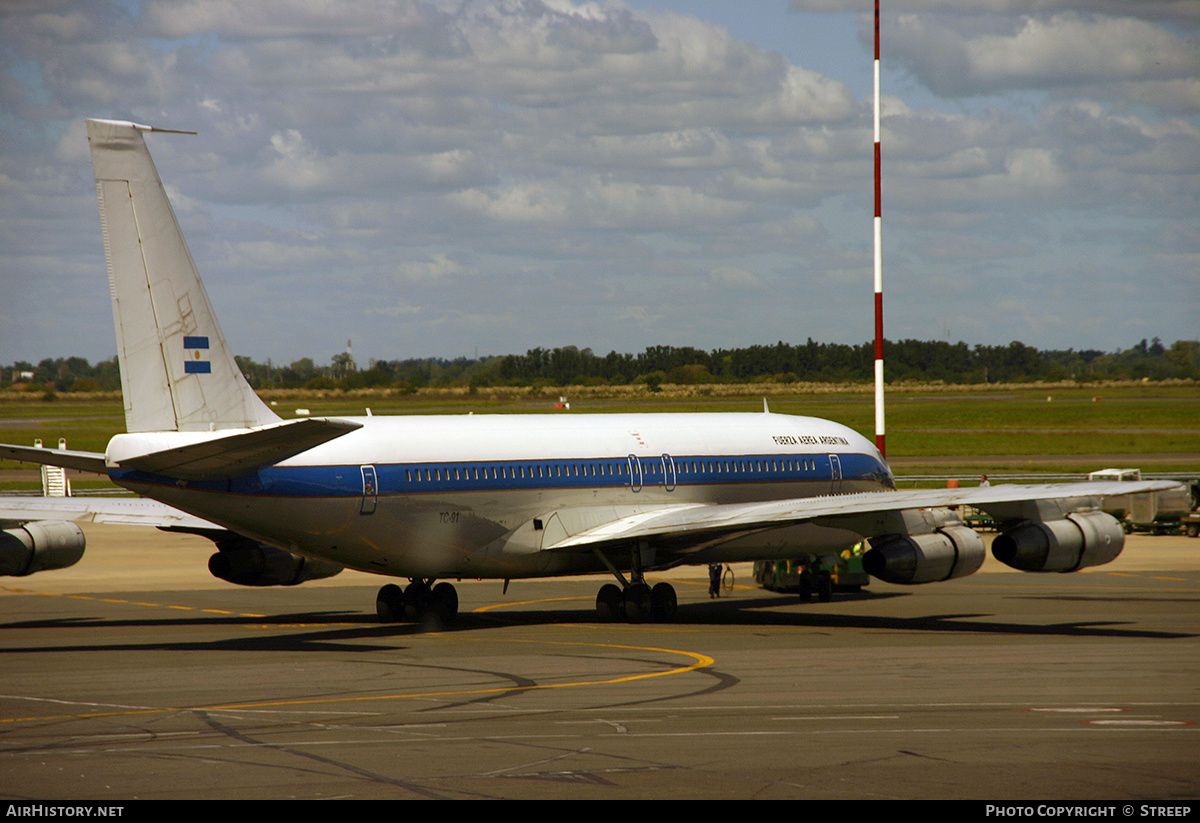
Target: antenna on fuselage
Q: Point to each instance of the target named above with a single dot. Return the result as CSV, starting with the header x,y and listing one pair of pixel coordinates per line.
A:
x,y
879,426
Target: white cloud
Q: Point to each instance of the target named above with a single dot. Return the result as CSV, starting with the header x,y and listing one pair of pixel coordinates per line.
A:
x,y
1033,169
439,267
282,18
734,278
1064,49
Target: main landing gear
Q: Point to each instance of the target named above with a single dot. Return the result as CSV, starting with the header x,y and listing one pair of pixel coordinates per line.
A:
x,y
418,602
820,581
636,601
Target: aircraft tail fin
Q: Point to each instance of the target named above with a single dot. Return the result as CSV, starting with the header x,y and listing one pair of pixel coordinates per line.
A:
x,y
177,374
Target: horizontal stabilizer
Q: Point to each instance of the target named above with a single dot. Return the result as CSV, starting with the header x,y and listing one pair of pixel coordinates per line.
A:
x,y
238,454
83,461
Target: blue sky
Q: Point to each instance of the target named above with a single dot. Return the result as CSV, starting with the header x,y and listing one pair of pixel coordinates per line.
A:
x,y
452,178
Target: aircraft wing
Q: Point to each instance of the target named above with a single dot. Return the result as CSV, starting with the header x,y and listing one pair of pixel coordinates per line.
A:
x,y
709,521
127,511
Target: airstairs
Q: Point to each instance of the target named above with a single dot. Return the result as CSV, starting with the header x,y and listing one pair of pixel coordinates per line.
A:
x,y
54,478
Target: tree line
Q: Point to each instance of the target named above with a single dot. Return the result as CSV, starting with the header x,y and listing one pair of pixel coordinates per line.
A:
x,y
905,361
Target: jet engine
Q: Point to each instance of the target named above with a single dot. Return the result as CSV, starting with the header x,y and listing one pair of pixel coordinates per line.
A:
x,y
40,545
248,563
1081,539
951,551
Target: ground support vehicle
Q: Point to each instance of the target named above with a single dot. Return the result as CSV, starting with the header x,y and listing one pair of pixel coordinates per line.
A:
x,y
811,576
1159,512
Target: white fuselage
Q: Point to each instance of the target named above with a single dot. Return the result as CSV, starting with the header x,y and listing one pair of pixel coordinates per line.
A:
x,y
481,495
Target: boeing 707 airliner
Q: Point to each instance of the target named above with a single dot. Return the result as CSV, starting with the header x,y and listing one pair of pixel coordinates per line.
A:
x,y
427,499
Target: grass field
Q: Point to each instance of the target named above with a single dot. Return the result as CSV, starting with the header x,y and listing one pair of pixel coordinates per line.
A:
x,y
931,429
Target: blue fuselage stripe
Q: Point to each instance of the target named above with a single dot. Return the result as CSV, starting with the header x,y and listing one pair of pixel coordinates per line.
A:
x,y
512,475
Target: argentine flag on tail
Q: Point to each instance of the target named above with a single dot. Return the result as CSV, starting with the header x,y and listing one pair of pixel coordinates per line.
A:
x,y
195,356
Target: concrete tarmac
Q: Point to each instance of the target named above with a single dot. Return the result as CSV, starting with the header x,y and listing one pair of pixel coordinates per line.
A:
x,y
137,675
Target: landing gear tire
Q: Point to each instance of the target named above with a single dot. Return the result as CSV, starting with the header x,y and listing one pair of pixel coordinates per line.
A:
x,y
824,587
638,603
443,604
389,604
806,586
635,602
608,603
416,601
663,603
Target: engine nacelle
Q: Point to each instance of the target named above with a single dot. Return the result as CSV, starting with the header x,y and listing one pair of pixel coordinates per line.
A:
x,y
949,552
1082,539
256,564
40,545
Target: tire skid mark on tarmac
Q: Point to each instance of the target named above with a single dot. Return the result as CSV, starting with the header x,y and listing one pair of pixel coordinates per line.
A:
x,y
701,661
337,764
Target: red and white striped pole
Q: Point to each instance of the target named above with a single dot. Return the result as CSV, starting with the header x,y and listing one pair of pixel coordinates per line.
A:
x,y
879,427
